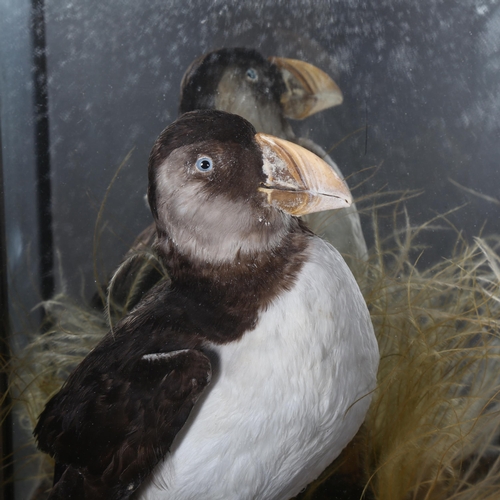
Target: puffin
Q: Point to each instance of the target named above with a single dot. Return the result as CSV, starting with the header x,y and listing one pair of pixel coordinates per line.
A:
x,y
246,372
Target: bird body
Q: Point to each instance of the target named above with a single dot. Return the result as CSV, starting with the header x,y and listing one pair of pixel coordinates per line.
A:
x,y
246,373
284,399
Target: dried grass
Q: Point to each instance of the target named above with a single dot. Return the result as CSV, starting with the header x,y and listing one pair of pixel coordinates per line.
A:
x,y
433,429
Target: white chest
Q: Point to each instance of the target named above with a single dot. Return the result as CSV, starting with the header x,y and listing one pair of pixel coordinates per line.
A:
x,y
286,399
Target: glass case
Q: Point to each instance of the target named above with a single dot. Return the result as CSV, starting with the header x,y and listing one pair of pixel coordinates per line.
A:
x,y
87,86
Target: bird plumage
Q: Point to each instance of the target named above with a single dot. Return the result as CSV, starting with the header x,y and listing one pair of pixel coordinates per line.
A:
x,y
257,299
284,402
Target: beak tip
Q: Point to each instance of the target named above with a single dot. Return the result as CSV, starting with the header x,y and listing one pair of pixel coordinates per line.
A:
x,y
347,201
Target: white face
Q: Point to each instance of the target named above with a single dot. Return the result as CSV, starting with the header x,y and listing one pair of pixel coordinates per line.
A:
x,y
243,95
205,222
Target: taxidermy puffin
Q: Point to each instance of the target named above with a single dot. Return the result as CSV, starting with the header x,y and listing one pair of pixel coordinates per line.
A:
x,y
249,371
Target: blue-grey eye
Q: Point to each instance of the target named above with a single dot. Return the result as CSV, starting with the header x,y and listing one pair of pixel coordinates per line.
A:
x,y
204,164
252,74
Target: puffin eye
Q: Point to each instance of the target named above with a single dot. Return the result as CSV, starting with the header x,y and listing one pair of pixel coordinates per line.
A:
x,y
252,75
204,164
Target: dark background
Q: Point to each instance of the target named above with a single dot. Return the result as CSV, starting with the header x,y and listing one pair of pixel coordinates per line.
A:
x,y
420,82
421,103
422,77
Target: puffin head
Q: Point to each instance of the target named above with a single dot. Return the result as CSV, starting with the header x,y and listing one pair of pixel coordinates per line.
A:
x,y
264,91
217,189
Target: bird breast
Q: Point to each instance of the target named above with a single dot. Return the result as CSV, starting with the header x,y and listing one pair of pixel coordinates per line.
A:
x,y
287,397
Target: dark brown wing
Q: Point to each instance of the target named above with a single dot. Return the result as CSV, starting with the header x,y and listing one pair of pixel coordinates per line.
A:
x,y
111,432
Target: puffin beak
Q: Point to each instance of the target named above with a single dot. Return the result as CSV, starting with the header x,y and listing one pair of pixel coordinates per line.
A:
x,y
309,89
298,181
